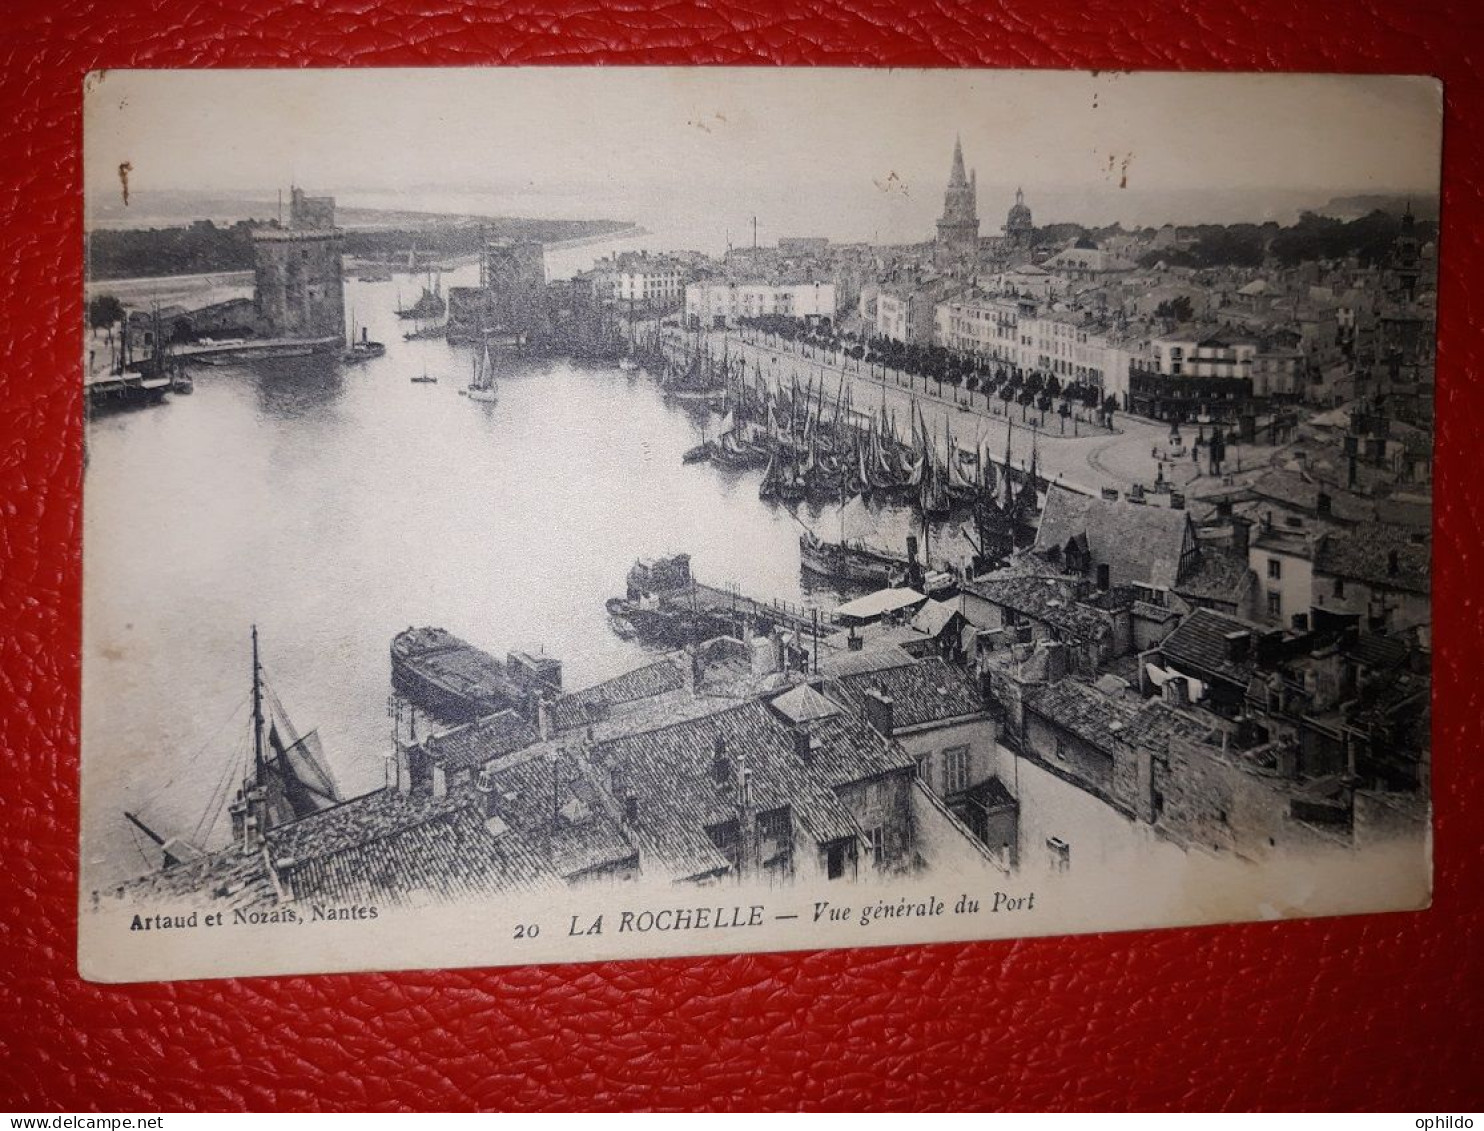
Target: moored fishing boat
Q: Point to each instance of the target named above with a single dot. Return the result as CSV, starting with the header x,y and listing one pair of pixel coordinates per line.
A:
x,y
851,561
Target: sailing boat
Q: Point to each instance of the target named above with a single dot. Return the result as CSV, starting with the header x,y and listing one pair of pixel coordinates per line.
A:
x,y
482,388
430,305
285,778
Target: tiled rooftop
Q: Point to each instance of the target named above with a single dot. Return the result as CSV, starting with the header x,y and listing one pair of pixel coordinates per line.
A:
x,y
1221,575
553,804
359,821
1199,644
1289,489
1084,711
479,742
870,659
672,774
448,857
1139,544
1154,722
592,704
929,691
1367,555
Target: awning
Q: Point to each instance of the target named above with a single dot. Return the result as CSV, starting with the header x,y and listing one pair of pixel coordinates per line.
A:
x,y
880,603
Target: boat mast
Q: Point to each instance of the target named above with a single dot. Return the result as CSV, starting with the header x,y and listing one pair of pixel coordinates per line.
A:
x,y
257,715
169,858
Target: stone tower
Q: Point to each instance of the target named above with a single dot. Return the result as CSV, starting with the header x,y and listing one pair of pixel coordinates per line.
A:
x,y
958,228
1406,260
298,278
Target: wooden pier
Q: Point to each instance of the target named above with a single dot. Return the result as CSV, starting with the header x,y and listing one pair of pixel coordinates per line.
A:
x,y
731,606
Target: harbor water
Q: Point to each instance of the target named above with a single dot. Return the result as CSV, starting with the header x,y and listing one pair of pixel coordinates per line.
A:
x,y
333,506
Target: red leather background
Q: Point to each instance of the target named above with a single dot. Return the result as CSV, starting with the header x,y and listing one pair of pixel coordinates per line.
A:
x,y
1383,1011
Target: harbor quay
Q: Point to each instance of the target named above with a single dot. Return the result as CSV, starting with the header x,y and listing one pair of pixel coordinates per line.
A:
x,y
1135,451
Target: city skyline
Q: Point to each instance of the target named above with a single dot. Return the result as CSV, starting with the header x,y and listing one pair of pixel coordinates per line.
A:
x,y
644,144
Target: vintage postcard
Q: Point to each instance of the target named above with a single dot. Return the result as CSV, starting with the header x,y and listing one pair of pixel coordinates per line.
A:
x,y
544,515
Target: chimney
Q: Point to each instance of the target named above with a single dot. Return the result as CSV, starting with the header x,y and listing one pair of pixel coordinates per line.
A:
x,y
1177,691
1241,534
879,711
484,788
1104,577
1237,646
404,767
1056,661
761,654
721,765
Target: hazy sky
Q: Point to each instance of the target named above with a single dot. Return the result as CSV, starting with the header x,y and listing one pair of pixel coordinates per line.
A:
x,y
812,143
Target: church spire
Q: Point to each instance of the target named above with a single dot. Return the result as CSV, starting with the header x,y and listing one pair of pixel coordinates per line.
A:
x,y
958,178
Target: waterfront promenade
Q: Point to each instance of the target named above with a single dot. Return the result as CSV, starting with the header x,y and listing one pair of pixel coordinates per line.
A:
x,y
1090,460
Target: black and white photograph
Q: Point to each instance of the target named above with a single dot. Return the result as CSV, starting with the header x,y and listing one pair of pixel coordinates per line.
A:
x,y
559,514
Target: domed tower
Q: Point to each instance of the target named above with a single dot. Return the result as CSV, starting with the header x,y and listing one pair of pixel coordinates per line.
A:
x,y
1019,229
958,229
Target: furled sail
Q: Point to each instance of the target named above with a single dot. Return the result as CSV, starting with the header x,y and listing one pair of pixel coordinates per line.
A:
x,y
299,778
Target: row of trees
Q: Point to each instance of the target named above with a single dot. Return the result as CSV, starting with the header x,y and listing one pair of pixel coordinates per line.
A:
x,y
151,252
1030,389
1369,239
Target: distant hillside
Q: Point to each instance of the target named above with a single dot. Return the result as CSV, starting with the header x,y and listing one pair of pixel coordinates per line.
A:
x,y
1354,207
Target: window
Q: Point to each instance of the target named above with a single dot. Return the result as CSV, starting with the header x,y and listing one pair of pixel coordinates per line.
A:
x,y
1275,604
925,769
1339,588
1275,569
876,841
955,769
